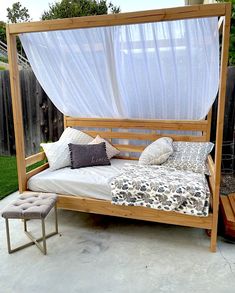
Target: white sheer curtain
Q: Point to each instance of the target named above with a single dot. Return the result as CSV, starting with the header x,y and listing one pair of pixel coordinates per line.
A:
x,y
164,70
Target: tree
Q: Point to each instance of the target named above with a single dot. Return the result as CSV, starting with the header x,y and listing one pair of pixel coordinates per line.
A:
x,y
17,13
74,8
3,37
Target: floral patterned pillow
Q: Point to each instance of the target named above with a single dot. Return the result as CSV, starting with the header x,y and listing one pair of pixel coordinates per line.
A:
x,y
190,156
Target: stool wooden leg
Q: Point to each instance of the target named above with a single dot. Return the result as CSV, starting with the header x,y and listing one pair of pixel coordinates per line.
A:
x,y
8,236
44,237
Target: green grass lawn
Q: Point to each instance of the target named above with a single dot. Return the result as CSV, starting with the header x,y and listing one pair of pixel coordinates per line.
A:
x,y
8,176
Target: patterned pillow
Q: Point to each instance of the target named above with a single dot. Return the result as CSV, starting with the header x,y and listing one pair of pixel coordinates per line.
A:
x,y
111,150
190,156
88,155
76,136
57,154
157,152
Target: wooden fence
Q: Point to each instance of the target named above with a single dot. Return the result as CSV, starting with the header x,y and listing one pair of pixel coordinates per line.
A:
x,y
42,121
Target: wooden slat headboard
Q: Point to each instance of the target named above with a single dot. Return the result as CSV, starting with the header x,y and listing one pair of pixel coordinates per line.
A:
x,y
129,130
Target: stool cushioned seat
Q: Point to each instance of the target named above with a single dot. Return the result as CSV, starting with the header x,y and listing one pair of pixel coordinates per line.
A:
x,y
32,206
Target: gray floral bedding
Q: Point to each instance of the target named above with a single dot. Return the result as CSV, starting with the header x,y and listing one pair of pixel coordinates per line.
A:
x,y
161,188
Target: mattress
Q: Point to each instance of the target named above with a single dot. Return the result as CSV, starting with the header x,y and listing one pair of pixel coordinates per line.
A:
x,y
90,181
112,183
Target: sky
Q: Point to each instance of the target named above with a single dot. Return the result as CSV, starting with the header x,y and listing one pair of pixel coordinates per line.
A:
x,y
36,7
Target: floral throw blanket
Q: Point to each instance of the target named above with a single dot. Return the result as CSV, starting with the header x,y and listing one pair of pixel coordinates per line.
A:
x,y
161,188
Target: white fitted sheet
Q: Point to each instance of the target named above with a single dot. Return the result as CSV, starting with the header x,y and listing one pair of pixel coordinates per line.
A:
x,y
89,181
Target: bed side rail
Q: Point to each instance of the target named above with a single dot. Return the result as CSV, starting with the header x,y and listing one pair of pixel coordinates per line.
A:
x,y
35,164
211,178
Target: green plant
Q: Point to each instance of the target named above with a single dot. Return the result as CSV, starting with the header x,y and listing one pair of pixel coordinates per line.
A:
x,y
3,59
3,37
2,68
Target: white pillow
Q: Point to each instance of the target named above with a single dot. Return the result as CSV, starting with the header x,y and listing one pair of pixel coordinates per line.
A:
x,y
77,136
110,150
57,154
157,152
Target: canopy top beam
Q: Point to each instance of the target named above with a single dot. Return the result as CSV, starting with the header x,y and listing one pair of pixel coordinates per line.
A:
x,y
185,12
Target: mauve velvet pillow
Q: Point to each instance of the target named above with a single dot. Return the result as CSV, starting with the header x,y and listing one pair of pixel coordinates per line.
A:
x,y
88,155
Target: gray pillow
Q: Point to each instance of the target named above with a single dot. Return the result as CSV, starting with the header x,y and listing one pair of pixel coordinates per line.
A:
x,y
88,155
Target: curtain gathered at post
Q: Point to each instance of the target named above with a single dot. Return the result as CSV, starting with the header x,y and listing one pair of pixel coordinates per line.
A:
x,y
162,70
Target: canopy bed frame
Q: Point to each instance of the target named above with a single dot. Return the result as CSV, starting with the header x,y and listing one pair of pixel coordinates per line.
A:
x,y
104,207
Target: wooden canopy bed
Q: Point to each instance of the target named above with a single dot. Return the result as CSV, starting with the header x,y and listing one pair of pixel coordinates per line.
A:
x,y
105,207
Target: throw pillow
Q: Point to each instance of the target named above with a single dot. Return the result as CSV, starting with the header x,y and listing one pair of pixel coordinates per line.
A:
x,y
157,152
111,150
88,155
191,156
76,136
57,154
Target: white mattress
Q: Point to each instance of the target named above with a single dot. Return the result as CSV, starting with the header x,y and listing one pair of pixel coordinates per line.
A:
x,y
89,181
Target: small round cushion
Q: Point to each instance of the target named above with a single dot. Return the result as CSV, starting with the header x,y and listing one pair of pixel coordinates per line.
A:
x,y
31,206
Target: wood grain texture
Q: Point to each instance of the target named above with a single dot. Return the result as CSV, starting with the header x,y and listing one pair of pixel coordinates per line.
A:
x,y
144,136
17,110
7,141
104,207
185,12
35,158
180,125
228,213
211,166
228,209
220,121
37,170
129,141
208,131
41,119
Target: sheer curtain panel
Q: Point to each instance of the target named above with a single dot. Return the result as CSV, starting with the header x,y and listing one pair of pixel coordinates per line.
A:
x,y
163,70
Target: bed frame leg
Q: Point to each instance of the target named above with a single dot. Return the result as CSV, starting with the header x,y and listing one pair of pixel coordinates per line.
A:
x,y
214,231
213,240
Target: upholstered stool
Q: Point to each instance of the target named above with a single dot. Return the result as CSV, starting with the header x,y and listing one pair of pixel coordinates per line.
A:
x,y
27,207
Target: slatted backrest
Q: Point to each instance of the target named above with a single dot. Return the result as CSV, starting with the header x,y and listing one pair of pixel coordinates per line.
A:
x,y
131,136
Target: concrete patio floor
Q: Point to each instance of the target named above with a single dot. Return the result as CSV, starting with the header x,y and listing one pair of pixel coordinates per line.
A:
x,y
104,254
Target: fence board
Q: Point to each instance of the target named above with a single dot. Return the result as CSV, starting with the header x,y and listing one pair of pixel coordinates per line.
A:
x,y
42,121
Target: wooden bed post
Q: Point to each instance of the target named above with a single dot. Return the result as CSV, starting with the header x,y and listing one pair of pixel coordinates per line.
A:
x,y
220,124
17,109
